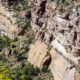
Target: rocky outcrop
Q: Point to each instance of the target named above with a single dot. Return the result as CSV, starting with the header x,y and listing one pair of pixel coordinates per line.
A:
x,y
7,23
38,54
61,69
60,32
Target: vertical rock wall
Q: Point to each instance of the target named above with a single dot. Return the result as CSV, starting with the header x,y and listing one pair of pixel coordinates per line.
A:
x,y
60,31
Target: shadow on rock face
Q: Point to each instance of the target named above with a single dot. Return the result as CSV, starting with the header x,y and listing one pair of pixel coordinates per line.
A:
x,y
42,8
11,2
47,61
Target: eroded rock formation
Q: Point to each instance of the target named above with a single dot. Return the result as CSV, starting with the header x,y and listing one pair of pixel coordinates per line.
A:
x,y
7,23
60,32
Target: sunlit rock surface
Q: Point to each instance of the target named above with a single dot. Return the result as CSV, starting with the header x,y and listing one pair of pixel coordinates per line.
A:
x,y
60,32
7,23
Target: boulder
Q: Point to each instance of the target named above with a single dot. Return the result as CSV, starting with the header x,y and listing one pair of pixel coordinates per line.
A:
x,y
38,54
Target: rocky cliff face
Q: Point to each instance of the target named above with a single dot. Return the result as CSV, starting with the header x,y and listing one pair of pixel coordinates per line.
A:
x,y
7,23
57,31
56,26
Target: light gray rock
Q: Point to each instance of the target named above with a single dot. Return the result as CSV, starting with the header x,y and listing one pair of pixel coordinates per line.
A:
x,y
65,28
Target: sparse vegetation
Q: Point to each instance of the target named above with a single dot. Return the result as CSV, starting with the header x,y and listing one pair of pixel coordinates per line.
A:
x,y
4,42
13,63
16,65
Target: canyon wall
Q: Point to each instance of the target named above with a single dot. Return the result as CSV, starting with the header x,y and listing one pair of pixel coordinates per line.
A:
x,y
57,35
7,23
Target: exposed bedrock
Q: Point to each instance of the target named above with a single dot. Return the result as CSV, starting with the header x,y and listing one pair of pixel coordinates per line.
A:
x,y
7,23
58,39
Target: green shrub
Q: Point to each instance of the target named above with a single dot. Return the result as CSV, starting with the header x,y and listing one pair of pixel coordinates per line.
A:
x,y
4,42
22,22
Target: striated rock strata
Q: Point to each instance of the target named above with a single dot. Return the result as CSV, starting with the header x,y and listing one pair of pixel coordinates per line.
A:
x,y
58,35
